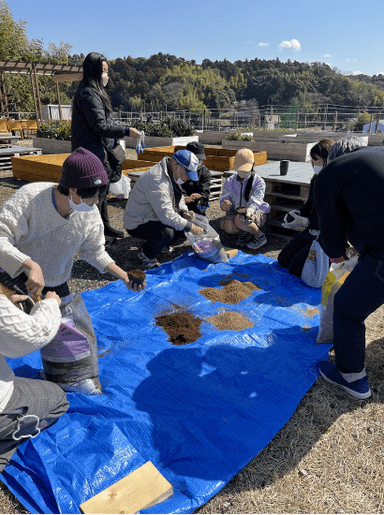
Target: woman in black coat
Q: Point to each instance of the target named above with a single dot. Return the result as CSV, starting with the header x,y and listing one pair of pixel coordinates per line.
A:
x,y
93,127
294,254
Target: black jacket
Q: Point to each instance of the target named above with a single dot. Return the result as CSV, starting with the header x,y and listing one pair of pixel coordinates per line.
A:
x,y
309,208
203,187
349,194
91,123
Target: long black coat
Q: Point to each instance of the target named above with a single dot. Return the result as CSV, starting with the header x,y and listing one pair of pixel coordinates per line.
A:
x,y
91,124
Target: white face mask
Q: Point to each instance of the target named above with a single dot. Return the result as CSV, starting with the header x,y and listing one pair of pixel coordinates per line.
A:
x,y
242,174
180,181
317,169
104,79
80,208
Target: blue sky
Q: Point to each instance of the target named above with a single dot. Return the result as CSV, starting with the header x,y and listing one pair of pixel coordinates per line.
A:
x,y
346,34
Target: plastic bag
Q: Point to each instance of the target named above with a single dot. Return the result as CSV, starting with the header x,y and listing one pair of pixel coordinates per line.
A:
x,y
70,359
140,145
121,188
316,266
333,281
207,246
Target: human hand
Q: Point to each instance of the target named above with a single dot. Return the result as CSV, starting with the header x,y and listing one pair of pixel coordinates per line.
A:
x,y
134,133
53,295
133,286
23,302
195,229
35,282
298,221
225,205
189,215
351,252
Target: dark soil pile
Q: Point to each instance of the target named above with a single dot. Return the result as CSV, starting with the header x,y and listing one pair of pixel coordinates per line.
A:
x,y
230,321
182,328
233,292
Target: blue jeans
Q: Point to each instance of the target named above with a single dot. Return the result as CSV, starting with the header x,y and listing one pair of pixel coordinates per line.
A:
x,y
157,235
360,295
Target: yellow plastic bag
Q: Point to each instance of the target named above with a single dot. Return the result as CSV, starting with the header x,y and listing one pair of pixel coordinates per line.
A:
x,y
333,281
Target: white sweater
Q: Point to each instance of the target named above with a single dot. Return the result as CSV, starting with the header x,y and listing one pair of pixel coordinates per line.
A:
x,y
31,227
21,334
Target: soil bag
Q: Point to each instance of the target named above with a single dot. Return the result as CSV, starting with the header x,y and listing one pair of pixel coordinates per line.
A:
x,y
208,245
333,281
316,266
70,359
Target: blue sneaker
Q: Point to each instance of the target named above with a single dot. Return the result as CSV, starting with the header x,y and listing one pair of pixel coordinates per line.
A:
x,y
358,389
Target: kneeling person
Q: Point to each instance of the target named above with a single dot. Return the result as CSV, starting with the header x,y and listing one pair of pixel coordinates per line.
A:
x,y
156,211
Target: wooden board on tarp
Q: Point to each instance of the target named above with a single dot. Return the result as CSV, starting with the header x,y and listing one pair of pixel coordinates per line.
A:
x,y
141,489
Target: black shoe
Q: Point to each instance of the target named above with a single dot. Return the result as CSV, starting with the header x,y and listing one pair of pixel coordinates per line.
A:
x,y
114,233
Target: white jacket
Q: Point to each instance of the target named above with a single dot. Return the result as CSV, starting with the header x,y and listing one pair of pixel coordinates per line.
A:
x,y
152,199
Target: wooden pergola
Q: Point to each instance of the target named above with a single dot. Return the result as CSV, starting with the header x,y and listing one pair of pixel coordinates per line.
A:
x,y
58,73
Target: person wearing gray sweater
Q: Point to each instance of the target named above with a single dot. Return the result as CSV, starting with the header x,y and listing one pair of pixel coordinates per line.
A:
x,y
26,405
43,224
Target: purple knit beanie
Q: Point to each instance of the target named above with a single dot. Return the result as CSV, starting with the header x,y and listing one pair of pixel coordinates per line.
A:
x,y
82,169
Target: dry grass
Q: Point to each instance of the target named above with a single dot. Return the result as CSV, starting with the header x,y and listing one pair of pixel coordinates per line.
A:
x,y
328,458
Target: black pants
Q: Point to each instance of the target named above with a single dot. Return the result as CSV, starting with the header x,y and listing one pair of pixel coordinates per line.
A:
x,y
157,235
103,208
294,254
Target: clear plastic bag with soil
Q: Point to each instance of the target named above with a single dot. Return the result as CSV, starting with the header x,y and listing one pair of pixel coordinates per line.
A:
x,y
70,359
207,246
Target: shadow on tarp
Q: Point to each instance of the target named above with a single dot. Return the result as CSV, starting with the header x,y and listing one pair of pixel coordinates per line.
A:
x,y
199,412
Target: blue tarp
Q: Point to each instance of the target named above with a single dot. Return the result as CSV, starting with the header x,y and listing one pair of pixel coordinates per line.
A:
x,y
199,412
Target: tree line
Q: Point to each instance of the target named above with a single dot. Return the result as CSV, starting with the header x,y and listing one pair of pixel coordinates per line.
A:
x,y
164,82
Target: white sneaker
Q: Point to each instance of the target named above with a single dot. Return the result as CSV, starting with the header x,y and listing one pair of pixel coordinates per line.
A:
x,y
148,262
167,250
257,241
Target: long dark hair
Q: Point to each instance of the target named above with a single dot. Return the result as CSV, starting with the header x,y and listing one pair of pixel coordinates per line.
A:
x,y
92,70
321,150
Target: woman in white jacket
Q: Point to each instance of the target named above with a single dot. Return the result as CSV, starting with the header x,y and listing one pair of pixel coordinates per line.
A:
x,y
26,405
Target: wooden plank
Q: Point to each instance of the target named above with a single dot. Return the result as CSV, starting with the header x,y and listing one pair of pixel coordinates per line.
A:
x,y
141,489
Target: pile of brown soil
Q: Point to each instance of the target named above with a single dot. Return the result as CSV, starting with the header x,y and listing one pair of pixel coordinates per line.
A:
x,y
230,321
233,292
182,328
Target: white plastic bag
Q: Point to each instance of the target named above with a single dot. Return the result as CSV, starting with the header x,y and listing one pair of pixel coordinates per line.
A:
x,y
316,266
121,188
208,245
333,281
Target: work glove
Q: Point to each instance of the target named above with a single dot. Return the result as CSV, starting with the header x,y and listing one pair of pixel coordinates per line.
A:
x,y
298,220
140,145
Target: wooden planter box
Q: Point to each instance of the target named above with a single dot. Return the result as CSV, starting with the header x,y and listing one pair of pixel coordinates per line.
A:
x,y
48,167
275,150
217,159
52,146
153,141
38,168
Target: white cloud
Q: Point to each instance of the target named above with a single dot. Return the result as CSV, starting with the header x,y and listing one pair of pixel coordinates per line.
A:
x,y
354,73
290,45
327,55
263,44
351,60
